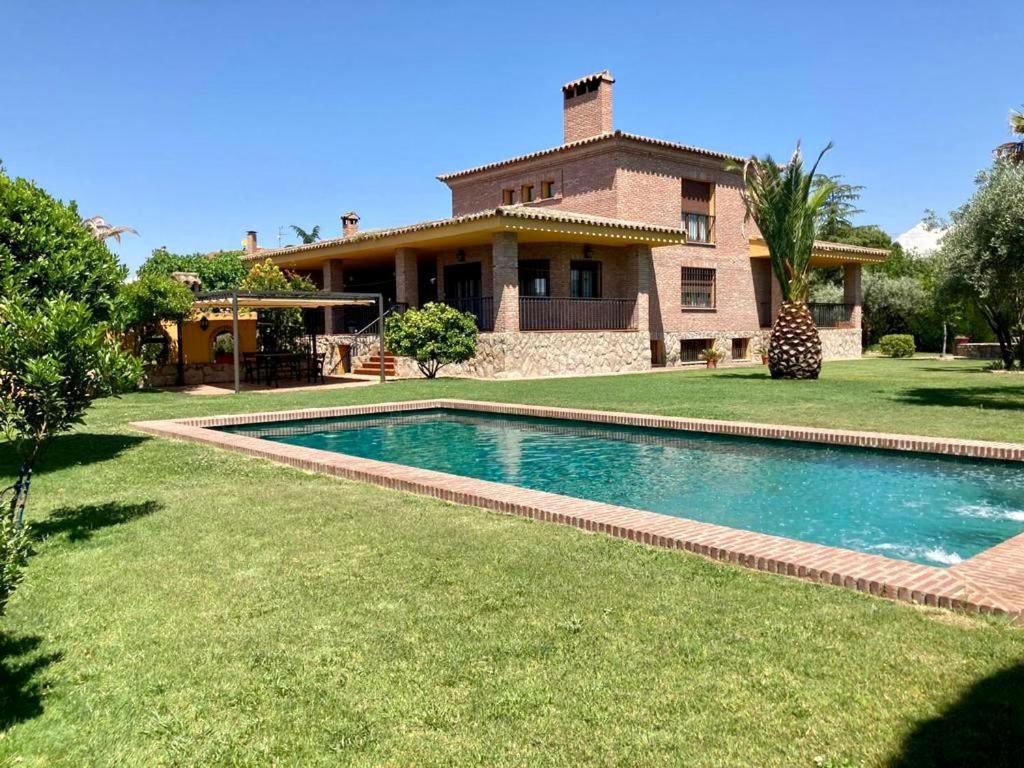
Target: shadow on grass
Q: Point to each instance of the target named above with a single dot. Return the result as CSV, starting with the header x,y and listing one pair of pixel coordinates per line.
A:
x,y
992,398
79,523
21,694
985,727
77,448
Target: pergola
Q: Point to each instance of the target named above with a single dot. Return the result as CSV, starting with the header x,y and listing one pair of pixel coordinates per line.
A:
x,y
287,300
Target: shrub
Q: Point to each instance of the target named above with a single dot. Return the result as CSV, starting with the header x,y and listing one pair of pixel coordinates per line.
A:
x,y
435,336
897,345
141,306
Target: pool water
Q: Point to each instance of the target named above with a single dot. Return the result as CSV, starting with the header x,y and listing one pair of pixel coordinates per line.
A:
x,y
927,509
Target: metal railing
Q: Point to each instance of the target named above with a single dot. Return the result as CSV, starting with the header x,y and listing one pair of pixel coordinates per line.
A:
x,y
373,327
700,227
481,307
832,315
547,314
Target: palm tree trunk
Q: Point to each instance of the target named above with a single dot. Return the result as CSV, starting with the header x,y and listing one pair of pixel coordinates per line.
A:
x,y
795,351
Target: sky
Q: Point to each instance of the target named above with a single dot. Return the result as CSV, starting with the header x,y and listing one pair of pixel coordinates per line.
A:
x,y
196,121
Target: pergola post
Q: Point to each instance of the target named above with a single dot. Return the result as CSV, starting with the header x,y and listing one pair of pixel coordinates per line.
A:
x,y
234,338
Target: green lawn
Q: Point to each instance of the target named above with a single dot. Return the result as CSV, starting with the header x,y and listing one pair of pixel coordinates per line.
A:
x,y
193,607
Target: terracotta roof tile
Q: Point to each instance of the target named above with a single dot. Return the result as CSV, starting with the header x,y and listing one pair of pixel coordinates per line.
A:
x,y
604,74
593,140
510,211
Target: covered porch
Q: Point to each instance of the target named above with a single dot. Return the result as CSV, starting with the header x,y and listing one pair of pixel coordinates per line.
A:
x,y
826,255
514,269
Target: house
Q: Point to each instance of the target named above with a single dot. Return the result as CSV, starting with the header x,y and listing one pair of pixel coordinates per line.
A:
x,y
609,252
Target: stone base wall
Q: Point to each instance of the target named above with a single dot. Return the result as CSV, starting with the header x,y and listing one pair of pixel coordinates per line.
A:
x,y
568,353
195,373
518,355
840,343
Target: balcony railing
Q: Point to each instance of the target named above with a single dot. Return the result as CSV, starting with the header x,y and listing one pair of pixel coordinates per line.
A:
x,y
832,315
700,227
481,307
547,314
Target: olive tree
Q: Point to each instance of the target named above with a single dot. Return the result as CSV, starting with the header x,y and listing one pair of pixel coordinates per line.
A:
x,y
982,256
435,336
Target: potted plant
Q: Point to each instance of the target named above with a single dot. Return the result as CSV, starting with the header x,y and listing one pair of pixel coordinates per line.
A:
x,y
711,356
763,344
224,349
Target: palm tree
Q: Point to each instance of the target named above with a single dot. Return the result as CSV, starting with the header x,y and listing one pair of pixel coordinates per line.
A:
x,y
307,237
101,230
785,202
1013,150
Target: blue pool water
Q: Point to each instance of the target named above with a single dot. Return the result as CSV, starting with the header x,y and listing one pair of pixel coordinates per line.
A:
x,y
927,509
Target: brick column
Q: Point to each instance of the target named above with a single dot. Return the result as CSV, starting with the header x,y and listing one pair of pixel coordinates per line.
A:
x,y
406,285
853,292
333,316
642,267
776,296
505,257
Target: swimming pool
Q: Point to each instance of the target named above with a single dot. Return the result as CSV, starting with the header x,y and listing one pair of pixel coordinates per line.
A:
x,y
928,509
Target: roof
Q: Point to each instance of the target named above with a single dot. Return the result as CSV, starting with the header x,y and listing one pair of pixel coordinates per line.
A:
x,y
513,212
829,252
604,74
593,140
282,299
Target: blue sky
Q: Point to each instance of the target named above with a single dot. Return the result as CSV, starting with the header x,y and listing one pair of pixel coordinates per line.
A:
x,y
195,121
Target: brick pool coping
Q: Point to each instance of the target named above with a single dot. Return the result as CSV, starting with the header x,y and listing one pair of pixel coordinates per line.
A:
x,y
990,582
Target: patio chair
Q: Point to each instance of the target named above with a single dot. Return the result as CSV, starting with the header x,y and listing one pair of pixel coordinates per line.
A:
x,y
316,367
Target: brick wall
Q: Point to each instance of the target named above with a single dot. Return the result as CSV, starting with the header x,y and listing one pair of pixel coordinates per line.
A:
x,y
589,114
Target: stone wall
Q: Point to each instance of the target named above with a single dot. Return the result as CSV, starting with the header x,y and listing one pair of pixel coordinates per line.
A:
x,y
195,373
840,343
978,351
518,355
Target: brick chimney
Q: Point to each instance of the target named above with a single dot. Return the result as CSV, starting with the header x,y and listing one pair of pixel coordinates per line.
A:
x,y
349,223
250,241
587,107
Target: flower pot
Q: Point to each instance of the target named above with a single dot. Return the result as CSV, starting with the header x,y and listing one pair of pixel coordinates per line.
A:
x,y
711,363
764,359
223,359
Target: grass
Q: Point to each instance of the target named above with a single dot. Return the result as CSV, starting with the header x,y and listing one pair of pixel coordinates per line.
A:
x,y
188,606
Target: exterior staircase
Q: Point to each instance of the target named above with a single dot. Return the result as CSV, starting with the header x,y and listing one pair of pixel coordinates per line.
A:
x,y
371,366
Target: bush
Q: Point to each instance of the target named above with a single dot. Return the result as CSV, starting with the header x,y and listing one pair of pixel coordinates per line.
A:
x,y
435,336
897,345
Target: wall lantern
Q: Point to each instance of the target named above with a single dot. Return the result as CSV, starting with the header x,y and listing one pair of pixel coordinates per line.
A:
x,y
204,322
460,255
587,252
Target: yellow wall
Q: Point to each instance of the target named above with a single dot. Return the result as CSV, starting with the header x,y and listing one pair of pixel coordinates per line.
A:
x,y
199,343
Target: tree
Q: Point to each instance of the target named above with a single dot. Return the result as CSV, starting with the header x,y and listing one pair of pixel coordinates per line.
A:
x,y
279,328
307,237
435,336
142,306
836,215
101,230
222,271
786,205
57,288
1013,150
982,256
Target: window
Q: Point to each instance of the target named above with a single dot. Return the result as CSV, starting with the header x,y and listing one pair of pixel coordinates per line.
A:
x,y
698,288
585,279
535,277
547,189
526,194
741,349
698,211
690,349
508,196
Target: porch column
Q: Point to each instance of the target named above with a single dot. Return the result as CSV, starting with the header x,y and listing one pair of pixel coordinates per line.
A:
x,y
505,258
406,285
641,265
853,292
333,317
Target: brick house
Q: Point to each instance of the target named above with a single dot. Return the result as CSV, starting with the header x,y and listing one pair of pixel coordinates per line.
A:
x,y
609,252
